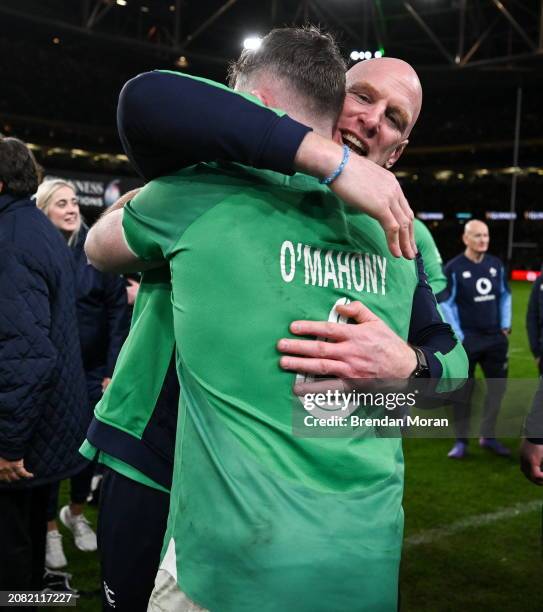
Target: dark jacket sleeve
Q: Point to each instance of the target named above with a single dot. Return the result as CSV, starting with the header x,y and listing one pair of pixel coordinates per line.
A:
x,y
446,356
116,305
534,319
169,120
27,356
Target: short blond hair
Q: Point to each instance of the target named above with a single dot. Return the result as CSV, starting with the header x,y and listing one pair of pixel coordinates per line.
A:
x,y
44,199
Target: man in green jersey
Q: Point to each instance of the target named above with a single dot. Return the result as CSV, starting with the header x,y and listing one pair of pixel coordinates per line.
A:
x,y
382,104
260,519
381,107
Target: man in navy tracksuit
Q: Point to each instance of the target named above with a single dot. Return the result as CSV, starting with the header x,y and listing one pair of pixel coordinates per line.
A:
x,y
531,456
478,307
534,322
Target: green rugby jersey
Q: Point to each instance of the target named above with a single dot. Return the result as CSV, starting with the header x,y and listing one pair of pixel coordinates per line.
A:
x,y
131,413
260,519
130,400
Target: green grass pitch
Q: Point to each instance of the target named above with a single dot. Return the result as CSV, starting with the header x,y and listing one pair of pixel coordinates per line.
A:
x,y
490,563
472,528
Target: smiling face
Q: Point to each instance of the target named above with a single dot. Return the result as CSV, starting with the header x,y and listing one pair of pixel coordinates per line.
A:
x,y
64,211
382,104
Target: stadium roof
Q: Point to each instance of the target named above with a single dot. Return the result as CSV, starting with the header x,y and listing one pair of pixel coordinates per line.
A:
x,y
438,34
63,63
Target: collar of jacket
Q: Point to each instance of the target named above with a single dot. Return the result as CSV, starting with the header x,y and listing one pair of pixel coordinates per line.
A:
x,y
7,201
79,247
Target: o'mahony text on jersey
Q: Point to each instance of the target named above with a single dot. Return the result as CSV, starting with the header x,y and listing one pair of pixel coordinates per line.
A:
x,y
340,269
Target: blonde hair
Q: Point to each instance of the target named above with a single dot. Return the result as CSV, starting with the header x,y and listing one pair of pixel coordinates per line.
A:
x,y
44,199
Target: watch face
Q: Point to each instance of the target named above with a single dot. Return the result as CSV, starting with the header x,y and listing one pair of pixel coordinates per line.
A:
x,y
422,370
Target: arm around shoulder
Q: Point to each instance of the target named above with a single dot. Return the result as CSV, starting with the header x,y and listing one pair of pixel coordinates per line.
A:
x,y
168,121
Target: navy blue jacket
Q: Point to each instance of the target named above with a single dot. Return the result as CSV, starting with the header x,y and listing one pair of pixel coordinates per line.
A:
x,y
43,395
534,318
534,325
160,112
102,314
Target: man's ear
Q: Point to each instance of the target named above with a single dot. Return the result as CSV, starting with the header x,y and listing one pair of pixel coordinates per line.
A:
x,y
262,95
1,186
396,154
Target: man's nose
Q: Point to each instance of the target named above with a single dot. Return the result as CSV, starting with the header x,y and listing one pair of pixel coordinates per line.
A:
x,y
371,119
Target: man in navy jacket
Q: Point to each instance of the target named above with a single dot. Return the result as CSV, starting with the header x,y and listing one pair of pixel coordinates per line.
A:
x,y
477,304
534,321
531,452
42,386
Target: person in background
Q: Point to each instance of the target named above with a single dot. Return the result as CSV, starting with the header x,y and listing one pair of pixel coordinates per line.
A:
x,y
478,307
102,315
534,322
531,450
42,385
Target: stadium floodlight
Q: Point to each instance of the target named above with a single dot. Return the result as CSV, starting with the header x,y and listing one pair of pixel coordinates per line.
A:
x,y
366,55
443,175
252,42
122,2
182,62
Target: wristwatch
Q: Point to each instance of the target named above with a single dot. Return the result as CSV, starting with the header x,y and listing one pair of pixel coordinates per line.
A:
x,y
421,370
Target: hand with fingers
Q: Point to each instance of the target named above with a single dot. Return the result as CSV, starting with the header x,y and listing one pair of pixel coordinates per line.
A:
x,y
531,460
12,471
376,191
132,289
365,186
368,349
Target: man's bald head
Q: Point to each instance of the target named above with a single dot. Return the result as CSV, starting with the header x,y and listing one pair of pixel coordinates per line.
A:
x,y
476,239
400,75
475,226
383,102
